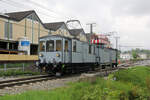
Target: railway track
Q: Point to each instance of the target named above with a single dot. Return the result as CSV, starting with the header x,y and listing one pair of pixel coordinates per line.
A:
x,y
34,79
20,81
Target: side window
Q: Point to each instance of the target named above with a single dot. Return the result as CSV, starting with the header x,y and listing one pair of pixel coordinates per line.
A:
x,y
90,49
50,46
74,46
8,30
94,49
58,45
66,45
42,46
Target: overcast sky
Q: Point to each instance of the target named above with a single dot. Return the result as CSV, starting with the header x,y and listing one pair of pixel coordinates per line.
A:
x,y
129,18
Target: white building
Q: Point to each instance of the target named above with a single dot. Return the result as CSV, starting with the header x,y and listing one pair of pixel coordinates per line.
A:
x,y
126,56
143,56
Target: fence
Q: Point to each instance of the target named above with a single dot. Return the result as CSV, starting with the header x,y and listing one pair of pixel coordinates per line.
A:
x,y
17,66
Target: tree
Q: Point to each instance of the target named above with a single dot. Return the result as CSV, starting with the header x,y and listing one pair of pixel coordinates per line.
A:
x,y
134,54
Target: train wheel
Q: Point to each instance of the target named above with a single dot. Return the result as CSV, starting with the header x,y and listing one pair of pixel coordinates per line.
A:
x,y
103,67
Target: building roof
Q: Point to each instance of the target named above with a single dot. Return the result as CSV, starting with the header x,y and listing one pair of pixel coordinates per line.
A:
x,y
76,32
18,16
54,25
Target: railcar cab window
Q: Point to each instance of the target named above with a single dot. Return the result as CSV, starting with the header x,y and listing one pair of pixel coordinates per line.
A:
x,y
58,45
74,46
66,45
42,46
50,46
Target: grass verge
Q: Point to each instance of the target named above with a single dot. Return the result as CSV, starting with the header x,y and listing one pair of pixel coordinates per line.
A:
x,y
17,73
131,84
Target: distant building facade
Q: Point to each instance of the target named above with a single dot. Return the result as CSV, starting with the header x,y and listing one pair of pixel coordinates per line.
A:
x,y
143,56
98,39
126,56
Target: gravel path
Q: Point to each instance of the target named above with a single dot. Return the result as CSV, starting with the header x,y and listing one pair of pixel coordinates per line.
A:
x,y
45,85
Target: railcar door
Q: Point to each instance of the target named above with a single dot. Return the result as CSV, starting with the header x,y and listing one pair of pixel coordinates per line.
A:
x,y
98,55
67,51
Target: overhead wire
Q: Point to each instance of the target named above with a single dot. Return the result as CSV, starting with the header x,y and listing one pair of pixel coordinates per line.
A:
x,y
13,2
43,7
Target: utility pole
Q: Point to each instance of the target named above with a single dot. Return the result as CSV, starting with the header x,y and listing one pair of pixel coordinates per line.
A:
x,y
117,47
117,41
91,27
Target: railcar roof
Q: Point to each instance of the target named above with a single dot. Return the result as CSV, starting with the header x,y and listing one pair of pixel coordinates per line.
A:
x,y
54,36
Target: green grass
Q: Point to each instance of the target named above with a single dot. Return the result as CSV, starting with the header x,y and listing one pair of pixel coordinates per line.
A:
x,y
17,73
14,65
131,84
136,75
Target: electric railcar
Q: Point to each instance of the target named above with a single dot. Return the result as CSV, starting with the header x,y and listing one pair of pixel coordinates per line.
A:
x,y
60,55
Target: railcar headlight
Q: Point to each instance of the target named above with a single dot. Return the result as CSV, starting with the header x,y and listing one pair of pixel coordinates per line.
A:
x,y
57,55
37,63
40,55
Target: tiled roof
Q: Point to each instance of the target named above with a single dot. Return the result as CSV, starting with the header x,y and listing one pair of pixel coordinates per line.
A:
x,y
18,16
54,25
76,32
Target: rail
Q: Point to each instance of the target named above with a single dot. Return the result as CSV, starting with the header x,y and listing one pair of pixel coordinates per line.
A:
x,y
20,81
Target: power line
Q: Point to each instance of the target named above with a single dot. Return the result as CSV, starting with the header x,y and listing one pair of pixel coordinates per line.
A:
x,y
40,6
43,7
129,46
11,4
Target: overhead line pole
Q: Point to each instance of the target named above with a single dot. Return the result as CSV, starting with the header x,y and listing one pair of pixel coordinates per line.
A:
x,y
91,27
116,38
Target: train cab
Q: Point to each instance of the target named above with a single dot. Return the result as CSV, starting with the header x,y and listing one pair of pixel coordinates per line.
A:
x,y
54,51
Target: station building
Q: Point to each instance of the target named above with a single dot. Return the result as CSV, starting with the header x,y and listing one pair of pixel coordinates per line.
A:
x,y
20,31
16,25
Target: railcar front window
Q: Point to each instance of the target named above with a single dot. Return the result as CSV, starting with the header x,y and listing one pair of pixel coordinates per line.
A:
x,y
42,46
50,46
66,45
58,45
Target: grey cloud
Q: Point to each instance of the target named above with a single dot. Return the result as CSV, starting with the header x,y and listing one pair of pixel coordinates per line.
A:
x,y
106,13
131,7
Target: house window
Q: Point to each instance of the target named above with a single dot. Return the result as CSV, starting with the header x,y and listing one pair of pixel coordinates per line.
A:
x,y
8,30
66,45
58,45
74,46
50,46
90,49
